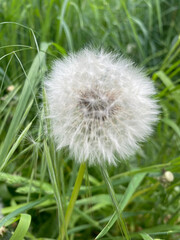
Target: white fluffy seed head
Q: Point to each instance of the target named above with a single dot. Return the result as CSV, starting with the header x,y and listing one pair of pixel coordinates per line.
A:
x,y
100,106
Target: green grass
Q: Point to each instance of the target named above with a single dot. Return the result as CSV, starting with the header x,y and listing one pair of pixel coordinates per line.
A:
x,y
36,181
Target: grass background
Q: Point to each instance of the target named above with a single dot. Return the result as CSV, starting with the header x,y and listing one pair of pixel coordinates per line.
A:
x,y
33,34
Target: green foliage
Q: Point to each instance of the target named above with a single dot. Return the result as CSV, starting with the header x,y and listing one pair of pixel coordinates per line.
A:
x,y
36,181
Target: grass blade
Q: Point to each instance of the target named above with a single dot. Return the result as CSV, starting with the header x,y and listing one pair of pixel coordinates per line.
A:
x,y
133,185
73,199
16,144
173,125
118,212
55,185
22,228
30,83
22,209
165,79
145,236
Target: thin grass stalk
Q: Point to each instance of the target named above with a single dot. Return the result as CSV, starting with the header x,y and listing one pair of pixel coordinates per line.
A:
x,y
52,167
55,185
107,180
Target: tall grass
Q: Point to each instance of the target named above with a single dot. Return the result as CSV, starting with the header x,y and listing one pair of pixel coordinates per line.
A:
x,y
33,34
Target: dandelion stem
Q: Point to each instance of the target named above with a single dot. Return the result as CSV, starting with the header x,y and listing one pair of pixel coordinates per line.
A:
x,y
72,200
115,202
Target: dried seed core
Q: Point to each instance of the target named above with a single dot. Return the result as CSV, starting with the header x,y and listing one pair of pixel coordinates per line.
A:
x,y
98,105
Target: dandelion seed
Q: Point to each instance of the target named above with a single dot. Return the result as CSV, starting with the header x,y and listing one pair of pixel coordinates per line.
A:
x,y
100,106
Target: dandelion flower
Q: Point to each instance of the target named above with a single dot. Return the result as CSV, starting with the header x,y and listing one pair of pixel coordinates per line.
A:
x,y
101,106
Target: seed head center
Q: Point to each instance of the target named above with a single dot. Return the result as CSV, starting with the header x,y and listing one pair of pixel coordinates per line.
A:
x,y
97,105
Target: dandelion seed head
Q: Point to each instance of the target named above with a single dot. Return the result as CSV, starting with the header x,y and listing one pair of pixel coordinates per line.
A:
x,y
100,105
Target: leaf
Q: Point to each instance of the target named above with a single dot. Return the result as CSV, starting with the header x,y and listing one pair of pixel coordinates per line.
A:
x,y
165,79
133,185
16,144
9,98
22,209
172,124
111,191
22,227
145,236
30,84
56,189
59,48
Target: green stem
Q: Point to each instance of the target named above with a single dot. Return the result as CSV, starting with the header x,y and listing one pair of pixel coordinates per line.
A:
x,y
72,200
55,186
115,202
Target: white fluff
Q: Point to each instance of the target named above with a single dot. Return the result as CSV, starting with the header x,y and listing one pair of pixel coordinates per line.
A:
x,y
100,106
